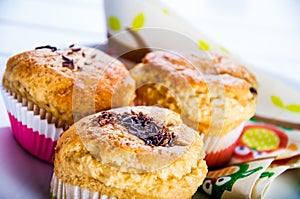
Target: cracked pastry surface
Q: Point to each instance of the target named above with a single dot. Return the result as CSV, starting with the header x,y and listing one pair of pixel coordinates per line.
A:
x,y
212,93
69,83
120,171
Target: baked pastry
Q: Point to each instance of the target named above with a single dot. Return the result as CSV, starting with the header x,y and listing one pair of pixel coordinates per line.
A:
x,y
47,89
212,93
130,152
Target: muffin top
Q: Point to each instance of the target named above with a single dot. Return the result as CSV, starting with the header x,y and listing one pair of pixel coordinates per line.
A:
x,y
136,139
212,93
69,83
146,152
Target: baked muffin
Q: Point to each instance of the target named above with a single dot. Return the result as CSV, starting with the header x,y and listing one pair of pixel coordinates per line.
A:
x,y
46,90
130,152
213,94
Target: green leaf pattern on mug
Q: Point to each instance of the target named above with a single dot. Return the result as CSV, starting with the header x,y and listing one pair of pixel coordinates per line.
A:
x,y
203,45
165,10
277,101
138,21
293,108
224,50
114,23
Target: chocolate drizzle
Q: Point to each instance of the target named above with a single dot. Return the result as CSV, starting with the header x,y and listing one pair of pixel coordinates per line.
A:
x,y
73,49
76,49
66,58
140,125
105,118
52,48
68,62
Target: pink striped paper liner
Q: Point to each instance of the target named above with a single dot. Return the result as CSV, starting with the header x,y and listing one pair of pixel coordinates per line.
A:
x,y
35,143
34,129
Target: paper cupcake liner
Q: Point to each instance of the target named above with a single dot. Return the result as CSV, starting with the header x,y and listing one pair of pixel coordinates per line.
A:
x,y
34,129
219,149
61,190
219,158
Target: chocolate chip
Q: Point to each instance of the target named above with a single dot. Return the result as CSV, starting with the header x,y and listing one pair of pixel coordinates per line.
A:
x,y
66,58
72,45
253,91
69,64
52,48
76,49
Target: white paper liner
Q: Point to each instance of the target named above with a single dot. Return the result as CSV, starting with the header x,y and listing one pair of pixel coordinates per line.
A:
x,y
213,144
61,190
30,115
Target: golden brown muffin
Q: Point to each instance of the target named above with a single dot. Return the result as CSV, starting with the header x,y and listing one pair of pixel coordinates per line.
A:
x,y
69,83
130,152
213,94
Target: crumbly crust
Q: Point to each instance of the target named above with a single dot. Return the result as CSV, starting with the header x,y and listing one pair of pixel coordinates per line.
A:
x,y
75,165
69,83
212,93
